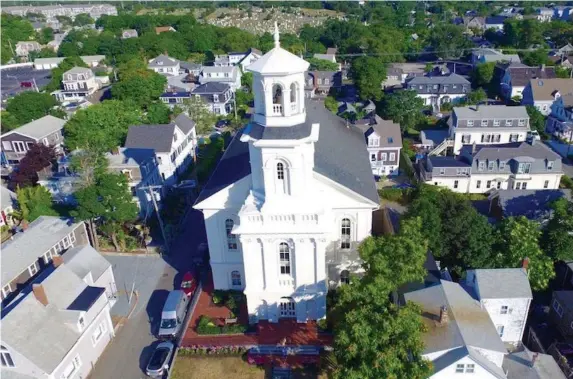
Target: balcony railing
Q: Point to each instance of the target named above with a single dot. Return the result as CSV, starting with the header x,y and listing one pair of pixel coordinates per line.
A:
x,y
277,109
286,282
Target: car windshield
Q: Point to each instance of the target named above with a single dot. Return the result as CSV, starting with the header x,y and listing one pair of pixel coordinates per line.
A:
x,y
158,358
168,323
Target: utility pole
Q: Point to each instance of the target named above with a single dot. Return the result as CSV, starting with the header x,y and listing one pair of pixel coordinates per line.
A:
x,y
152,194
235,104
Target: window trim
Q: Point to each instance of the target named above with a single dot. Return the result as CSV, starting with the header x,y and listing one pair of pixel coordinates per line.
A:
x,y
285,263
500,330
101,329
460,368
230,237
6,292
6,358
470,368
345,233
236,275
504,310
36,269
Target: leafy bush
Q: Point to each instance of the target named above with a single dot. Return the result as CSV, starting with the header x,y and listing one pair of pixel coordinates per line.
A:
x,y
322,324
399,195
566,182
213,350
206,326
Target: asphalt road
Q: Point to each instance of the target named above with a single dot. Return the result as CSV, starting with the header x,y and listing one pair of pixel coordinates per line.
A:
x,y
128,353
11,79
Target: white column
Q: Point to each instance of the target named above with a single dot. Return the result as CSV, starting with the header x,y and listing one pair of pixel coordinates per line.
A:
x,y
270,254
253,264
286,102
320,259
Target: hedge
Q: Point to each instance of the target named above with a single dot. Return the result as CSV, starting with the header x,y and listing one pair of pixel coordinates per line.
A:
x,y
206,326
399,195
567,182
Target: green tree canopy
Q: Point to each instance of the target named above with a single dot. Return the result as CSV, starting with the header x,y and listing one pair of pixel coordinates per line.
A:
x,y
317,64
483,74
517,239
102,126
476,96
30,105
83,19
375,338
34,202
448,41
558,233
138,84
198,111
536,119
14,29
45,35
404,108
368,74
158,113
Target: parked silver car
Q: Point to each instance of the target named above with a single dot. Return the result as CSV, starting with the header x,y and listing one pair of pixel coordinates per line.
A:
x,y
159,361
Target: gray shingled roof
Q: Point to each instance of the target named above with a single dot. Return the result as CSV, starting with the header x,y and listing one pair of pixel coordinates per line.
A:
x,y
163,61
40,128
85,259
533,204
335,140
184,123
156,137
519,366
389,132
452,356
501,112
25,248
503,283
446,79
211,88
469,324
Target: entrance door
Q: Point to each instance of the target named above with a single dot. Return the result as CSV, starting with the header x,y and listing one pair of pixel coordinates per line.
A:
x,y
287,308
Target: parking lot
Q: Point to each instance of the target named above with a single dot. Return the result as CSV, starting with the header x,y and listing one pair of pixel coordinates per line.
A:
x,y
11,79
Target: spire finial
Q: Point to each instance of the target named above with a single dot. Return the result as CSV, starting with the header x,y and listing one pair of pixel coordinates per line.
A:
x,y
277,42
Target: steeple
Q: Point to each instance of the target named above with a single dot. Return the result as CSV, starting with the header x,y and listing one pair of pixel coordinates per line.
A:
x,y
277,40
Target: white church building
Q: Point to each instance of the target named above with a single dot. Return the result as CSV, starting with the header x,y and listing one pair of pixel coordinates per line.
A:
x,y
290,200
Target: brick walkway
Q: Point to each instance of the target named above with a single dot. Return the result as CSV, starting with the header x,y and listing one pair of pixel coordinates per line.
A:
x,y
267,333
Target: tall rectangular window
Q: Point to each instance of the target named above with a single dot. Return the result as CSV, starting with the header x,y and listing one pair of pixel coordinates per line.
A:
x,y
231,238
546,184
456,184
284,258
345,234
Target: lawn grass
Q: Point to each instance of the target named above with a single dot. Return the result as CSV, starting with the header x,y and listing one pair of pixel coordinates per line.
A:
x,y
187,367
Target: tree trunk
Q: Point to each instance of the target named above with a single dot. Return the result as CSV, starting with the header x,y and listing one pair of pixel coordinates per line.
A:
x,y
93,232
114,241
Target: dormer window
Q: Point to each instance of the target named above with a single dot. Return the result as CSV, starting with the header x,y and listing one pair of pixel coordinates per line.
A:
x,y
521,122
373,142
550,165
470,122
508,122
524,168
481,166
495,122
81,323
501,165
483,122
491,165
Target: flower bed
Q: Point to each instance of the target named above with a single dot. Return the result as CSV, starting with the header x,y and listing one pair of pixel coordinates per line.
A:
x,y
207,326
230,299
213,350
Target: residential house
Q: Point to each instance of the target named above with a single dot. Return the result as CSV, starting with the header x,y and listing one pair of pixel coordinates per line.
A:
x,y
78,84
217,96
560,120
141,170
174,98
50,63
8,201
399,73
281,184
27,253
506,296
384,142
242,59
495,22
47,130
193,69
69,10
129,33
561,312
60,325
174,145
565,50
474,22
542,93
516,76
460,337
525,364
164,65
164,29
485,168
24,48
563,12
438,90
487,124
532,204
563,61
544,14
321,82
492,55
230,75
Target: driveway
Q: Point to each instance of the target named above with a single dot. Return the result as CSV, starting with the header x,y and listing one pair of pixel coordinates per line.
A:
x,y
128,353
11,79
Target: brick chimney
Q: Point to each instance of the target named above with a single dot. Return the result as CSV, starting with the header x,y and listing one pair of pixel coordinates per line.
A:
x,y
40,294
57,260
444,315
474,148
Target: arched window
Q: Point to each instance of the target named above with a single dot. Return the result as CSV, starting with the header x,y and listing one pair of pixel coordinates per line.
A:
x,y
287,307
284,258
345,234
277,94
344,277
293,96
6,357
280,171
236,278
231,238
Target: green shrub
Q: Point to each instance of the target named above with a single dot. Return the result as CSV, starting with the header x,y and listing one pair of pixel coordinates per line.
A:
x,y
392,194
206,326
322,324
566,182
